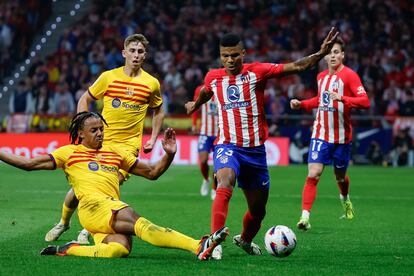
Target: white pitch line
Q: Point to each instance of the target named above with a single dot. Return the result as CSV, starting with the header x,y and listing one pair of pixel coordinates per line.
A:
x,y
391,198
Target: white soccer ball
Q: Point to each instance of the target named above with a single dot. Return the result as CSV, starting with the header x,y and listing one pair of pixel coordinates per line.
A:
x,y
280,241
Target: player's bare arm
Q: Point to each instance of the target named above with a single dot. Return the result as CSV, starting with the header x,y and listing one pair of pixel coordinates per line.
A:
x,y
153,171
84,102
203,97
311,60
42,162
157,120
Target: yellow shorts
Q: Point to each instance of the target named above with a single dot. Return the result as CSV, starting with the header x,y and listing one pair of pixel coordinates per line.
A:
x,y
96,213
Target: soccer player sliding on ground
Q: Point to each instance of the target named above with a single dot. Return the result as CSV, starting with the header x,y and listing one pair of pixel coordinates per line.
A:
x,y
92,170
339,90
240,154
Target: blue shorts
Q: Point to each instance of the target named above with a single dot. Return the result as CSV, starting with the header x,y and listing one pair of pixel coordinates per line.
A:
x,y
327,153
206,143
249,165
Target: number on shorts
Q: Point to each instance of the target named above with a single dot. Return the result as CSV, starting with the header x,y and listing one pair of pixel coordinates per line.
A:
x,y
316,144
228,152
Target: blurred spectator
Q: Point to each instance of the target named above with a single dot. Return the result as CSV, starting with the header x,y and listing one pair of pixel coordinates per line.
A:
x,y
374,154
173,77
63,102
402,153
43,104
21,100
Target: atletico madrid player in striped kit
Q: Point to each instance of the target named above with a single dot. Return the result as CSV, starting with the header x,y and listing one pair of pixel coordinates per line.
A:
x,y
339,90
240,154
207,134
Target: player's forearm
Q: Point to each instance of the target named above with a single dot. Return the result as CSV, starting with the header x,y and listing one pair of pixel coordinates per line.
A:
x,y
83,103
25,163
203,97
161,166
307,62
157,121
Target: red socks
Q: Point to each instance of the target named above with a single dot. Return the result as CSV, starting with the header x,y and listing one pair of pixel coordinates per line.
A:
x,y
251,225
309,193
220,208
344,187
204,170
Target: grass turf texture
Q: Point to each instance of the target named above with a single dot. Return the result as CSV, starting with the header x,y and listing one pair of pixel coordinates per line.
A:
x,y
378,241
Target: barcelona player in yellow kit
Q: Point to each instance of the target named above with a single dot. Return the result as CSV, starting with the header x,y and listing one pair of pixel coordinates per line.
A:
x,y
92,170
127,93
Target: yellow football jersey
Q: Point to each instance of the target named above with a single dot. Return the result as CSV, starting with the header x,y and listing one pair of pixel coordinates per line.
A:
x,y
126,100
93,172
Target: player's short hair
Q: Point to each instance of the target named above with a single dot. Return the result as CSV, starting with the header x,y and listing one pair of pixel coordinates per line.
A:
x,y
78,122
341,43
136,38
230,40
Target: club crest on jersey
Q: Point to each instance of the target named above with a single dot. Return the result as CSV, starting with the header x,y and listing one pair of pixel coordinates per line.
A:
x,y
129,91
224,159
314,155
93,166
335,86
233,93
245,78
99,157
116,103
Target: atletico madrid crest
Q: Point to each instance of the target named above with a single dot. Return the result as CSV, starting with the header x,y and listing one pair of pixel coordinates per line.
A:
x,y
224,159
314,155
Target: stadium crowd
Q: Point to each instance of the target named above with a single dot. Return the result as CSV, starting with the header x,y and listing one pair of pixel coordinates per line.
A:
x,y
183,45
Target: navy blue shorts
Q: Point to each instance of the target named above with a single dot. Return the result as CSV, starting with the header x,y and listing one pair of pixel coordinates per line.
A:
x,y
206,143
249,165
327,153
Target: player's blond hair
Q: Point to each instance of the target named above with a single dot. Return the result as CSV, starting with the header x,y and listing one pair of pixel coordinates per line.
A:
x,y
136,38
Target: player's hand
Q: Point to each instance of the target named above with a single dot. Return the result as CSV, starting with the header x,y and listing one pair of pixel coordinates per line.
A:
x,y
169,143
329,41
189,106
149,145
294,104
334,96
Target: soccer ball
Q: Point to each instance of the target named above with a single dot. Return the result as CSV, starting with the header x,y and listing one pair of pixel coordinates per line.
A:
x,y
280,241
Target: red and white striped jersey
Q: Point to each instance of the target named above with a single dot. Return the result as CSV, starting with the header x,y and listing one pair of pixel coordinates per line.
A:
x,y
333,121
209,118
240,103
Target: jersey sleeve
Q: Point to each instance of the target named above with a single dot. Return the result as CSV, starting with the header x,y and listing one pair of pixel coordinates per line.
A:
x,y
156,98
98,88
271,70
359,98
207,82
61,155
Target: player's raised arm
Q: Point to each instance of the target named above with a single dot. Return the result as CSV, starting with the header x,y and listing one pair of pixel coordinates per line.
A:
x,y
203,97
311,60
43,162
153,171
84,102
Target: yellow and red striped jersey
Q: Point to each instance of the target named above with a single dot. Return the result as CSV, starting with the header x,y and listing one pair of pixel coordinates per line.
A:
x,y
93,172
126,100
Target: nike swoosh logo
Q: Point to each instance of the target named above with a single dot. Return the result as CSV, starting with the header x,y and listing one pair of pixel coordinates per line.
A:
x,y
265,183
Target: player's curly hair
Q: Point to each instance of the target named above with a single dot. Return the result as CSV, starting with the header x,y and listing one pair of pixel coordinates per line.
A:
x,y
78,122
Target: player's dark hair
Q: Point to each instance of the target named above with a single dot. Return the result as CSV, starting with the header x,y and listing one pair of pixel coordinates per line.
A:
x,y
341,43
230,40
136,38
78,122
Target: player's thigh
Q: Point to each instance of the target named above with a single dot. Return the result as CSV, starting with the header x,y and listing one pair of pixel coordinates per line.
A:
x,y
341,156
254,173
203,156
70,199
125,240
320,152
226,165
124,220
315,169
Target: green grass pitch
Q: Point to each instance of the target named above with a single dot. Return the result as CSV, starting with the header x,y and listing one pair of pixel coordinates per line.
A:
x,y
379,241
